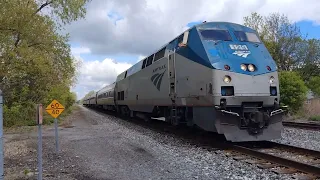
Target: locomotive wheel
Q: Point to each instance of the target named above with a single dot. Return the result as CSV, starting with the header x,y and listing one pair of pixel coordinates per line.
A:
x,y
175,121
147,118
125,112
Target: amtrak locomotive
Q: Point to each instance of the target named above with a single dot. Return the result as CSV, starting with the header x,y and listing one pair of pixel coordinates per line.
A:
x,y
218,76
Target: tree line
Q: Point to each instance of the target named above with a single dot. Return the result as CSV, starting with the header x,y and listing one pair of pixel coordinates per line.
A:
x,y
296,55
36,65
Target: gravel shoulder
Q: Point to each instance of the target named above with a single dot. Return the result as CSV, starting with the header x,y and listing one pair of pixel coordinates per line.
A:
x,y
99,146
309,139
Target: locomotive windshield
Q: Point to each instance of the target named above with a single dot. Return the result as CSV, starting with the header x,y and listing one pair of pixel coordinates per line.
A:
x,y
216,35
246,36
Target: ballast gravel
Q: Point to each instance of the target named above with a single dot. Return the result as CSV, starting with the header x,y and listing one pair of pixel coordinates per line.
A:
x,y
96,145
309,139
111,148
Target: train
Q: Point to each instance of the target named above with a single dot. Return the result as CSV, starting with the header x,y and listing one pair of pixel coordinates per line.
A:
x,y
217,76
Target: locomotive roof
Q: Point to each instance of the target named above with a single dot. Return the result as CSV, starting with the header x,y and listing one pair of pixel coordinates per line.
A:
x,y
211,25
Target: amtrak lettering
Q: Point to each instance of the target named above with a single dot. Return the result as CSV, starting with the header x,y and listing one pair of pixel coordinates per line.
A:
x,y
157,79
241,50
159,68
238,47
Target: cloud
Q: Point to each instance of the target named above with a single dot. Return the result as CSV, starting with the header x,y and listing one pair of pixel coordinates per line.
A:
x,y
140,57
76,51
93,75
142,26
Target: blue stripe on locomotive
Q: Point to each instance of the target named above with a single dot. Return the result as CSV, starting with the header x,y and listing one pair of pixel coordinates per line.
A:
x,y
217,55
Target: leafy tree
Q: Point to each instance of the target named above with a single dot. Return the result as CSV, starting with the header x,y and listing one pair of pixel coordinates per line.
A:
x,y
292,52
256,22
293,90
314,85
282,38
66,11
310,55
36,65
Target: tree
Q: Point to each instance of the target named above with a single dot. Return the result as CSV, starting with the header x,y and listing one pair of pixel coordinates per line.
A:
x,y
282,38
310,55
66,11
314,85
292,52
256,22
292,90
35,60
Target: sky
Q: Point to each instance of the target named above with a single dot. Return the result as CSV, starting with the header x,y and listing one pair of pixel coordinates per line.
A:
x,y
116,34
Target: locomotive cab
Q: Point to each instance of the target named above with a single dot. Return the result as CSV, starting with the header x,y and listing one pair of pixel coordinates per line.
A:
x,y
245,85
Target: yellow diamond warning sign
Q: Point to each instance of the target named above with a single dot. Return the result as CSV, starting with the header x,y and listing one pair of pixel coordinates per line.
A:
x,y
55,108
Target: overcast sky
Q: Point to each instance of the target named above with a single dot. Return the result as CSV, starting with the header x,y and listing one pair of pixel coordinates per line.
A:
x,y
117,33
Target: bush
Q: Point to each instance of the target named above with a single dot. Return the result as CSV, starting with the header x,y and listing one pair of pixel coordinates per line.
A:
x,y
292,90
24,113
19,114
314,85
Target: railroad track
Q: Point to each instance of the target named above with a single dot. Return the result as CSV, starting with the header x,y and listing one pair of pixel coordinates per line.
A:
x,y
279,158
313,126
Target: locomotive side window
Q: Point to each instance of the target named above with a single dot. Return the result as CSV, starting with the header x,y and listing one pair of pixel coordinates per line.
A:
x,y
246,36
210,34
159,54
149,62
144,63
122,95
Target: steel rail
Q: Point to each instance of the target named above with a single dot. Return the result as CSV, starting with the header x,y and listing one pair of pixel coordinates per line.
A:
x,y
313,126
302,167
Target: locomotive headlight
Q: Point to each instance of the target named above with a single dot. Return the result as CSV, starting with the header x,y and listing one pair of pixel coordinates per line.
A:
x,y
227,79
271,80
251,67
243,67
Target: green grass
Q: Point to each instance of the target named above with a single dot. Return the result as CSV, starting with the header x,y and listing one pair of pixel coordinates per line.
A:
x,y
314,118
26,171
28,125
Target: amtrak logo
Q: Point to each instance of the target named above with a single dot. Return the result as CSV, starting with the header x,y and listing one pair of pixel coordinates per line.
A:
x,y
157,79
241,50
242,53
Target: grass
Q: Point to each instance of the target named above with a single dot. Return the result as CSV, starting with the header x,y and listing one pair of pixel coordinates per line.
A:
x,y
29,126
314,118
26,171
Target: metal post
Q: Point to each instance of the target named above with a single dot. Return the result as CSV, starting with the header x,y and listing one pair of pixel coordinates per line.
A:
x,y
39,152
1,138
56,133
39,119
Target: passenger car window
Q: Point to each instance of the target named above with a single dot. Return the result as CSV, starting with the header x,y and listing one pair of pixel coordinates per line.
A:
x,y
246,36
215,34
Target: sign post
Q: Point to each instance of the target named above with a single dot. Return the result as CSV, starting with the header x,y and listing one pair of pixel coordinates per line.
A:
x,y
1,138
39,122
55,109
